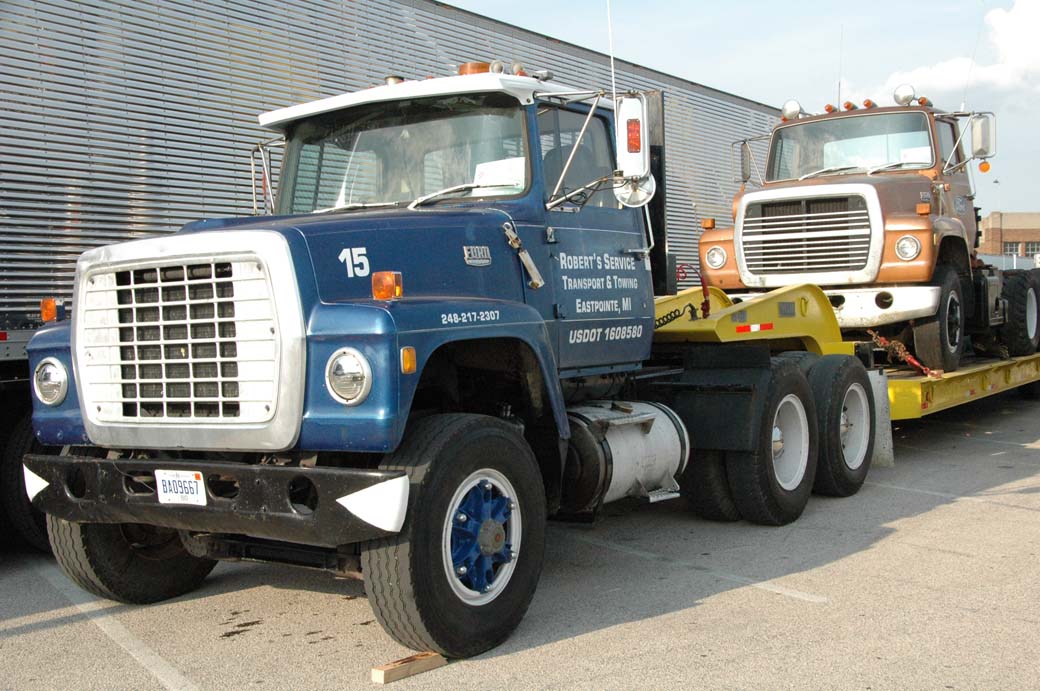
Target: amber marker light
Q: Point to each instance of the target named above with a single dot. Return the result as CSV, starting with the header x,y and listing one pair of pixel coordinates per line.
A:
x,y
830,108
408,360
708,223
869,104
924,208
387,285
849,105
48,309
635,136
984,167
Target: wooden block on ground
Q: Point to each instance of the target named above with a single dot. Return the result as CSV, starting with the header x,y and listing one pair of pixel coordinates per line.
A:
x,y
406,667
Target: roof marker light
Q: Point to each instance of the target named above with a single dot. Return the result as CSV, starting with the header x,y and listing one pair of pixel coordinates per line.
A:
x,y
869,104
829,108
849,105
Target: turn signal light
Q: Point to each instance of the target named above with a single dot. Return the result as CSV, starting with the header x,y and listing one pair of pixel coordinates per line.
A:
x,y
829,108
48,309
849,105
408,360
634,136
984,167
387,285
708,223
924,208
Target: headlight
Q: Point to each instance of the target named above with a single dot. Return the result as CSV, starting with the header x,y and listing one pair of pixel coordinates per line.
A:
x,y
50,381
348,376
715,257
908,247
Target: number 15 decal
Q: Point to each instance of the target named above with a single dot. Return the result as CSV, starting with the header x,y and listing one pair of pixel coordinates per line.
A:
x,y
355,260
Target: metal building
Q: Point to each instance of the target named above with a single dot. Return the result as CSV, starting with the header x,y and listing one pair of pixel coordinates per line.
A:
x,y
122,118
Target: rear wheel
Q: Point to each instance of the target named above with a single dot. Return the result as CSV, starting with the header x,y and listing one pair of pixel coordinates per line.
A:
x,y
137,564
845,418
771,485
706,487
1021,333
459,576
939,340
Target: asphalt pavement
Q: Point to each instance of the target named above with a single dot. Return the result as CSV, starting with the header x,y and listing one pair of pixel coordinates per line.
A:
x,y
926,579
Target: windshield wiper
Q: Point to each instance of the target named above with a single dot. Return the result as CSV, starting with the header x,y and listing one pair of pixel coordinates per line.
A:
x,y
448,190
823,171
889,166
355,205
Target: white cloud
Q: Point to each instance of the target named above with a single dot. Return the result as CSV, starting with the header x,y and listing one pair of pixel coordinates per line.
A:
x,y
1012,34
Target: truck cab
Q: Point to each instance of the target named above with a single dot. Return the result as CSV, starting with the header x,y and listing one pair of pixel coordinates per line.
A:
x,y
875,205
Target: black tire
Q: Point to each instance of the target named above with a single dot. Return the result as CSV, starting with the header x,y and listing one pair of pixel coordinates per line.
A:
x,y
754,478
846,422
28,524
1021,333
706,487
125,562
939,340
415,595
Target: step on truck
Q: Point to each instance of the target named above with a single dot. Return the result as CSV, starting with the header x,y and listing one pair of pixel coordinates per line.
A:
x,y
460,320
875,204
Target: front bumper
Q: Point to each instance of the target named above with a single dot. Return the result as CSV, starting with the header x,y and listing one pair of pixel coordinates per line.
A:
x,y
352,505
861,308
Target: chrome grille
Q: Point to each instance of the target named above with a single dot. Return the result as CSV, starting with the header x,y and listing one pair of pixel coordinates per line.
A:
x,y
180,341
806,236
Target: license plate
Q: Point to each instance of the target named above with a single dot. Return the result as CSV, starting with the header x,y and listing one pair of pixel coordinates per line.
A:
x,y
180,487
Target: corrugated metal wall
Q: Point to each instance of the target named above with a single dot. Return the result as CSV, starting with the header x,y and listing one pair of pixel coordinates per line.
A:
x,y
122,118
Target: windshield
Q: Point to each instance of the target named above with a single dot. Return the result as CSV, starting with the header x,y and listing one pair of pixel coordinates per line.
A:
x,y
398,151
850,144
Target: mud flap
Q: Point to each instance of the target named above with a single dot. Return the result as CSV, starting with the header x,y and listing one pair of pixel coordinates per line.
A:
x,y
884,454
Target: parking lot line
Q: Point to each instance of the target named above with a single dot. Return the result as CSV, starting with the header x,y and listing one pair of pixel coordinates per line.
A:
x,y
692,566
91,608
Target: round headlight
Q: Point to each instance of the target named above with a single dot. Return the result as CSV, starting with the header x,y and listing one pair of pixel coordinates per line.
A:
x,y
908,247
51,381
715,257
348,376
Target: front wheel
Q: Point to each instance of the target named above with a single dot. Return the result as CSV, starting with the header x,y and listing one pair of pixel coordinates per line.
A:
x,y
460,575
939,340
126,562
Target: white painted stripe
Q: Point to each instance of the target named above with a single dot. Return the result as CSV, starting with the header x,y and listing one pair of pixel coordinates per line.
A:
x,y
383,505
34,484
693,566
90,607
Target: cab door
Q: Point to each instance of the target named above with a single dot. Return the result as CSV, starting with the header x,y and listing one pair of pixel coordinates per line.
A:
x,y
602,286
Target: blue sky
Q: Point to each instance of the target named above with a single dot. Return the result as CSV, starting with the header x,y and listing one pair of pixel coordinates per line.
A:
x,y
773,51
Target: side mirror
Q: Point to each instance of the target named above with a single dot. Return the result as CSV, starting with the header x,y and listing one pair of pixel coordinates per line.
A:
x,y
745,161
637,185
983,135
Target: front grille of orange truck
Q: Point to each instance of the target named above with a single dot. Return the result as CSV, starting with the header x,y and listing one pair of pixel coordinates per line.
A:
x,y
806,235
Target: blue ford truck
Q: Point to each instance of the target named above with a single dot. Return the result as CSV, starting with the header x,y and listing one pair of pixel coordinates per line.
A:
x,y
459,321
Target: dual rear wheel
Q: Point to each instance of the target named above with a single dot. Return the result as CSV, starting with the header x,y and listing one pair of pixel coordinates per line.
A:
x,y
817,435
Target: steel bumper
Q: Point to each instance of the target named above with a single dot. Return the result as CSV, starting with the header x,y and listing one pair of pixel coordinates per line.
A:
x,y
352,505
859,308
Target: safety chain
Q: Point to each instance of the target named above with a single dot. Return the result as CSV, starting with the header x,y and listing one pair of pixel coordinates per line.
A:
x,y
896,349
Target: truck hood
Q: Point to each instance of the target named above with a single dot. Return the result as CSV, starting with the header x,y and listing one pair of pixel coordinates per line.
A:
x,y
439,252
898,192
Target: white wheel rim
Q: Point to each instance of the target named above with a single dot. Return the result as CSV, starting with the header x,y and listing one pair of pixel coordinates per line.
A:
x,y
790,442
512,528
854,429
1031,313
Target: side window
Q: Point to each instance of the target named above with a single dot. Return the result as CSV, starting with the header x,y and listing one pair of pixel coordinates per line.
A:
x,y
947,140
593,158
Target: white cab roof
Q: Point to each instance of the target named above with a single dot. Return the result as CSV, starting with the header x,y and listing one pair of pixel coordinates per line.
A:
x,y
523,88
